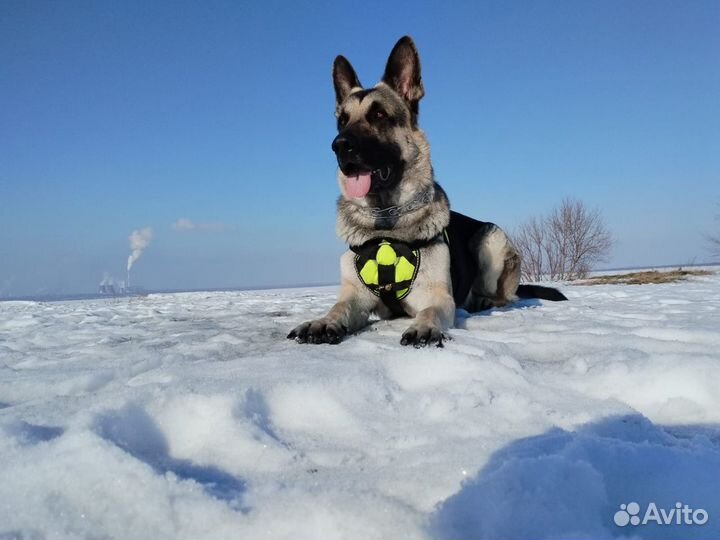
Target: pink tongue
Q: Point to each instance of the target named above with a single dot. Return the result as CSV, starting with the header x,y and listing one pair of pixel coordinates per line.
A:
x,y
358,186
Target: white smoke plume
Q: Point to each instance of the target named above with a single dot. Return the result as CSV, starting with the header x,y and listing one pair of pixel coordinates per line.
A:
x,y
139,240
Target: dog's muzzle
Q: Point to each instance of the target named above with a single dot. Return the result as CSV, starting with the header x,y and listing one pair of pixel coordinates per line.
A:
x,y
352,161
346,149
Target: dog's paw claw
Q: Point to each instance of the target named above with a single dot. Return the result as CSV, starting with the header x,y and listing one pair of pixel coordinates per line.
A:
x,y
408,337
317,332
422,337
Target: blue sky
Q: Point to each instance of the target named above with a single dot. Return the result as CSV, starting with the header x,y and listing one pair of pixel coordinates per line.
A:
x,y
116,116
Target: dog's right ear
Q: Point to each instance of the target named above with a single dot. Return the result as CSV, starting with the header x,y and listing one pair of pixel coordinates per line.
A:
x,y
344,79
402,72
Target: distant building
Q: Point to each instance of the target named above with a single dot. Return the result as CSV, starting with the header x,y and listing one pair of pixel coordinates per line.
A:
x,y
108,287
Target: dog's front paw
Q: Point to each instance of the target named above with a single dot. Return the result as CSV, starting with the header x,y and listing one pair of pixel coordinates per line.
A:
x,y
420,336
320,331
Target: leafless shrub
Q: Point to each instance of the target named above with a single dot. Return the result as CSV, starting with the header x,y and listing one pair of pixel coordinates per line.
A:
x,y
563,245
530,242
715,245
714,241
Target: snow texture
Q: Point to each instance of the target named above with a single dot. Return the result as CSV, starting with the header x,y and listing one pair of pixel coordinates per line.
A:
x,y
191,416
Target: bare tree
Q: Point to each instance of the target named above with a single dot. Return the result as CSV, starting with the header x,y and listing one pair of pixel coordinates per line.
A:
x,y
715,245
565,244
530,242
714,240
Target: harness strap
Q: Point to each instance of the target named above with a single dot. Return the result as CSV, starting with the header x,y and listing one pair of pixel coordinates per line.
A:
x,y
411,246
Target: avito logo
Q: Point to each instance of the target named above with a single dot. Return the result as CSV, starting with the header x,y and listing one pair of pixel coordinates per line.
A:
x,y
681,514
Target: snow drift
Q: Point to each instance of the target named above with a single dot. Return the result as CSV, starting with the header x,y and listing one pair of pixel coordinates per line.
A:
x,y
190,416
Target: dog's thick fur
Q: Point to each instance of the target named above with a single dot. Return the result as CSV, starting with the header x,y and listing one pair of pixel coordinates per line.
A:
x,y
378,132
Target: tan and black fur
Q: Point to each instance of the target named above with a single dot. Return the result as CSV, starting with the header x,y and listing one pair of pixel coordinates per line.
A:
x,y
378,132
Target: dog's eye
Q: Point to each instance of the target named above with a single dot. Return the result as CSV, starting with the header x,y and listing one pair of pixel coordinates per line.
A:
x,y
342,120
376,115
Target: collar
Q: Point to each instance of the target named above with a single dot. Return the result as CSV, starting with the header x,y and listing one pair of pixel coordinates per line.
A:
x,y
418,201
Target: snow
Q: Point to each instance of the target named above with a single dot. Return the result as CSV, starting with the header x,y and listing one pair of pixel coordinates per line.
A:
x,y
191,416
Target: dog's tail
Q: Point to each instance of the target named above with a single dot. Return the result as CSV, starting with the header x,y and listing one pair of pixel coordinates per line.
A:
x,y
538,291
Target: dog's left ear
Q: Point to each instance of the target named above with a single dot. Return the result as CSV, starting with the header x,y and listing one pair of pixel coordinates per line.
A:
x,y
402,72
344,78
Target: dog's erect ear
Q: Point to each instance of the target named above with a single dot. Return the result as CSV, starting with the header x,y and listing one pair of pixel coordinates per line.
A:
x,y
402,72
344,78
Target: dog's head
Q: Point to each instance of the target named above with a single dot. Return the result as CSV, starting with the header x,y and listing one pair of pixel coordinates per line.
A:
x,y
377,127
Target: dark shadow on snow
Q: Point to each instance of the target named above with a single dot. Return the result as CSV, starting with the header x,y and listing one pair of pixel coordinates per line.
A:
x,y
133,430
256,409
31,434
570,484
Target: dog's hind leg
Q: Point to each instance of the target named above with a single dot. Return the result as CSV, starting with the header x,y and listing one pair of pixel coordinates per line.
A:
x,y
498,273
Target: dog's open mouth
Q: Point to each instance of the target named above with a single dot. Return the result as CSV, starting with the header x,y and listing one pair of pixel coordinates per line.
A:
x,y
358,183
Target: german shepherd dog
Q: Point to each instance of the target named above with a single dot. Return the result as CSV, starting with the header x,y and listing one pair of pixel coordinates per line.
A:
x,y
389,200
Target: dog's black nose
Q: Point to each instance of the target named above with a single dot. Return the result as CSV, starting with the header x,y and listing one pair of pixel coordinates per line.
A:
x,y
344,146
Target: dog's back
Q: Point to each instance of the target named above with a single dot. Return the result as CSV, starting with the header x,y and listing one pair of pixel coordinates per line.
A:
x,y
485,266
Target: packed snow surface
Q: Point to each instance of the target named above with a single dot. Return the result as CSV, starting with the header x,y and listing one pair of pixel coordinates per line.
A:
x,y
190,416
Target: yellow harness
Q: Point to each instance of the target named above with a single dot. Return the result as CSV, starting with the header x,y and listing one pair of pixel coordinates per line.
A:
x,y
389,267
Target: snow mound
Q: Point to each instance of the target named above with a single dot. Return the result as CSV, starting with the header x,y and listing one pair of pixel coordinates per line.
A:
x,y
191,416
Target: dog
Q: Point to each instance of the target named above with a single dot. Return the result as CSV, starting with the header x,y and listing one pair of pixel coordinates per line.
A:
x,y
409,254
